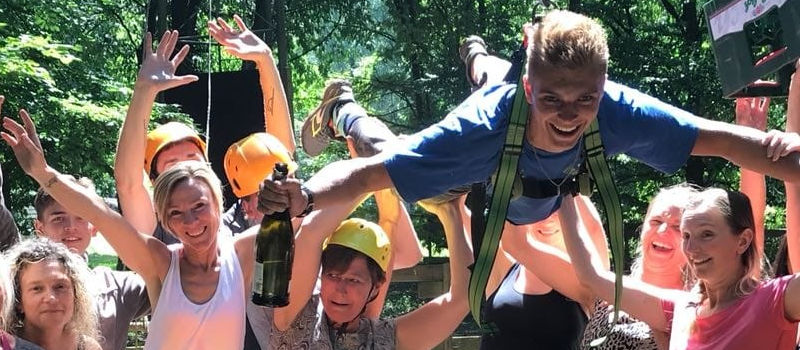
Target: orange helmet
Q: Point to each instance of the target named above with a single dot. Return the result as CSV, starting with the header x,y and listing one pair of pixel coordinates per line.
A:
x,y
167,134
250,160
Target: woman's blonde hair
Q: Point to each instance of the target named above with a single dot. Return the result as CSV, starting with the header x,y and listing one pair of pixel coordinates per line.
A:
x,y
677,196
35,250
564,39
183,171
7,293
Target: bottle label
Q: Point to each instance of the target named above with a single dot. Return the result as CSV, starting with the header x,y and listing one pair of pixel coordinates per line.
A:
x,y
258,278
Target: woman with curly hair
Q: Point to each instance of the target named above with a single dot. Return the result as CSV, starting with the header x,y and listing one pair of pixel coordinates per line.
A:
x,y
53,308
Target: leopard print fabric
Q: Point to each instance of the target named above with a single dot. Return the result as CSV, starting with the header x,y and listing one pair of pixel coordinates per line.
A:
x,y
310,331
628,334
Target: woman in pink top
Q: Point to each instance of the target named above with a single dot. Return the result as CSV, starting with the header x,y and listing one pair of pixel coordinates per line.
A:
x,y
730,307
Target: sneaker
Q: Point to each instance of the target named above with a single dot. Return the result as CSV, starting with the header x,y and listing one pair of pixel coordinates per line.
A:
x,y
319,126
470,47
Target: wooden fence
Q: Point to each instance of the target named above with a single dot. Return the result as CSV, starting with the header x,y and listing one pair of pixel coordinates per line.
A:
x,y
432,281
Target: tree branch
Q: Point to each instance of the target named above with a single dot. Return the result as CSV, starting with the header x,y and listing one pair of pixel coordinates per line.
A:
x,y
673,12
319,43
134,42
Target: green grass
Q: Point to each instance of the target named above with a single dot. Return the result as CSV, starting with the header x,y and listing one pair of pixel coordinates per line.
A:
x,y
102,260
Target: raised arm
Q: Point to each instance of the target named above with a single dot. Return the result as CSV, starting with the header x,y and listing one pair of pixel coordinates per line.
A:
x,y
552,265
792,294
744,147
244,44
394,218
338,182
433,322
143,254
752,112
639,299
793,189
307,255
156,74
406,251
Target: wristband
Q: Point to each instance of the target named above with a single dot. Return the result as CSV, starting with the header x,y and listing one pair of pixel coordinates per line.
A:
x,y
310,202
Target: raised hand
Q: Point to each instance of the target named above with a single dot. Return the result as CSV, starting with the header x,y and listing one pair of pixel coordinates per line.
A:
x,y
439,208
752,112
29,155
241,43
158,70
26,123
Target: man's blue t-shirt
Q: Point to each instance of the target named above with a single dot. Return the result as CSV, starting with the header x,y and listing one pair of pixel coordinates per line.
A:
x,y
465,146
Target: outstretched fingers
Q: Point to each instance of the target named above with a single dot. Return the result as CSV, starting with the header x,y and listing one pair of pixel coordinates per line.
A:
x,y
173,41
30,128
224,25
240,23
167,44
13,133
764,105
147,47
162,45
13,127
176,61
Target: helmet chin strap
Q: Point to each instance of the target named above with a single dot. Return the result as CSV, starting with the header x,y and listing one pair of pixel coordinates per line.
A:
x,y
343,326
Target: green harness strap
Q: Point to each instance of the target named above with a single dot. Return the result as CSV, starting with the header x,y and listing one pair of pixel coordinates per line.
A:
x,y
504,182
612,209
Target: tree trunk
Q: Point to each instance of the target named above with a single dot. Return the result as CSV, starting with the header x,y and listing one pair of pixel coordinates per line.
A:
x,y
263,26
157,19
283,51
184,19
481,16
156,25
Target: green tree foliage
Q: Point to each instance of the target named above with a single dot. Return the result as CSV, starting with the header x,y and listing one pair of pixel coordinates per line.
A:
x,y
73,63
69,66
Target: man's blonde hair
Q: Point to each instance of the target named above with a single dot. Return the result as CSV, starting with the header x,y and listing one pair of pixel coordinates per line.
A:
x,y
564,39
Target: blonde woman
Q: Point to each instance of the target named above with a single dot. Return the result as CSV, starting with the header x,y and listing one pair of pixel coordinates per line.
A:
x,y
53,308
730,307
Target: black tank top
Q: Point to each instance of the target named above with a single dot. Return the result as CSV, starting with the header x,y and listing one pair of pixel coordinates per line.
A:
x,y
525,321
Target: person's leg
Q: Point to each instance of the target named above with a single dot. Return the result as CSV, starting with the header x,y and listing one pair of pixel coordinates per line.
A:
x,y
482,69
339,116
320,127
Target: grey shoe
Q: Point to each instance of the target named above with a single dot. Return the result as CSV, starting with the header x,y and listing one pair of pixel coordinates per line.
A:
x,y
319,126
470,47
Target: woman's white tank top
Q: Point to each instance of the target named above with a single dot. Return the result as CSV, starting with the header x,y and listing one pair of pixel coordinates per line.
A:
x,y
179,323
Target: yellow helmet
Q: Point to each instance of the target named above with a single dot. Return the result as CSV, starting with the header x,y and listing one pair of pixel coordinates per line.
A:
x,y
166,134
365,237
250,160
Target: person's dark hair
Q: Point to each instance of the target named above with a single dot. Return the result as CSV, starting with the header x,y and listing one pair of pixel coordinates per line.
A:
x,y
337,258
44,200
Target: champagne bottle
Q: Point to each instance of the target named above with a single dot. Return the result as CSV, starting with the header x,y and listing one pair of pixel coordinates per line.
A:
x,y
274,254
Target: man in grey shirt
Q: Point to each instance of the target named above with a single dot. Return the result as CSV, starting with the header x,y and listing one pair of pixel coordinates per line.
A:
x,y
120,296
